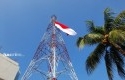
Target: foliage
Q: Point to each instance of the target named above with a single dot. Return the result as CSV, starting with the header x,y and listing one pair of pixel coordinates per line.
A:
x,y
110,41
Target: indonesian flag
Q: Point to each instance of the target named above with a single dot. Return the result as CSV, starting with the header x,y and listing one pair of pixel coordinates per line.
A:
x,y
65,28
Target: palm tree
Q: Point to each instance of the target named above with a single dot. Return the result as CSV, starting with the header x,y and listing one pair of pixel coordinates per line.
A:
x,y
110,41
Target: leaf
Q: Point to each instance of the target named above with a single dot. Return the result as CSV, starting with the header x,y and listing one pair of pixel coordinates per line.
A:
x,y
109,19
120,19
94,58
94,29
117,36
119,62
109,65
93,38
90,25
80,42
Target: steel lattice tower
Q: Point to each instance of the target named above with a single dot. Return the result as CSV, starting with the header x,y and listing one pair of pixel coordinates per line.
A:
x,y
51,60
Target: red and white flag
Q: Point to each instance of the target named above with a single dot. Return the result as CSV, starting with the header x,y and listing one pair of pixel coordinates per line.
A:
x,y
65,28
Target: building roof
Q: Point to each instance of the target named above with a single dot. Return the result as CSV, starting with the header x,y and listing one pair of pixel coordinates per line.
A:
x,y
8,68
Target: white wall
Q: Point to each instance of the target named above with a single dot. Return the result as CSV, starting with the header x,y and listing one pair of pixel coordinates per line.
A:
x,y
8,68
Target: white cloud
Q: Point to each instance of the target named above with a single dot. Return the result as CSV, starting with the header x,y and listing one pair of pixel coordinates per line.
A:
x,y
15,54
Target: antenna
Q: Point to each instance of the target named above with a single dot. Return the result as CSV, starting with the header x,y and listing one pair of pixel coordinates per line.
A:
x,y
51,60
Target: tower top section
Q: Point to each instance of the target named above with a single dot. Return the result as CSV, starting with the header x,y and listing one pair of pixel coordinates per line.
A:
x,y
53,18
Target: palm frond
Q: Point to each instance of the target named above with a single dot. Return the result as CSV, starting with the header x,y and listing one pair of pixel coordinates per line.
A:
x,y
89,39
120,19
118,48
99,29
94,58
94,29
109,19
109,66
123,47
119,27
117,36
119,62
80,42
120,70
116,56
93,38
90,25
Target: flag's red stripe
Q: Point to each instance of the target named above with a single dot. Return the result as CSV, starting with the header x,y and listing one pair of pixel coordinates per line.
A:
x,y
62,25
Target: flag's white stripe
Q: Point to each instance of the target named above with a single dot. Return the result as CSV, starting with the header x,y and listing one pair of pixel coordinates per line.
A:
x,y
67,30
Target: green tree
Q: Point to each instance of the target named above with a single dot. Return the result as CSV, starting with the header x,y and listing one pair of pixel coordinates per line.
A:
x,y
110,41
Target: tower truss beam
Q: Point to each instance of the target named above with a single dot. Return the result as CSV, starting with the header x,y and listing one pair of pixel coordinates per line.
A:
x,y
51,60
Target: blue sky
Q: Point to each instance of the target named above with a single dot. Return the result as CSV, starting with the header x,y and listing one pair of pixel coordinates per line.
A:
x,y
23,23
